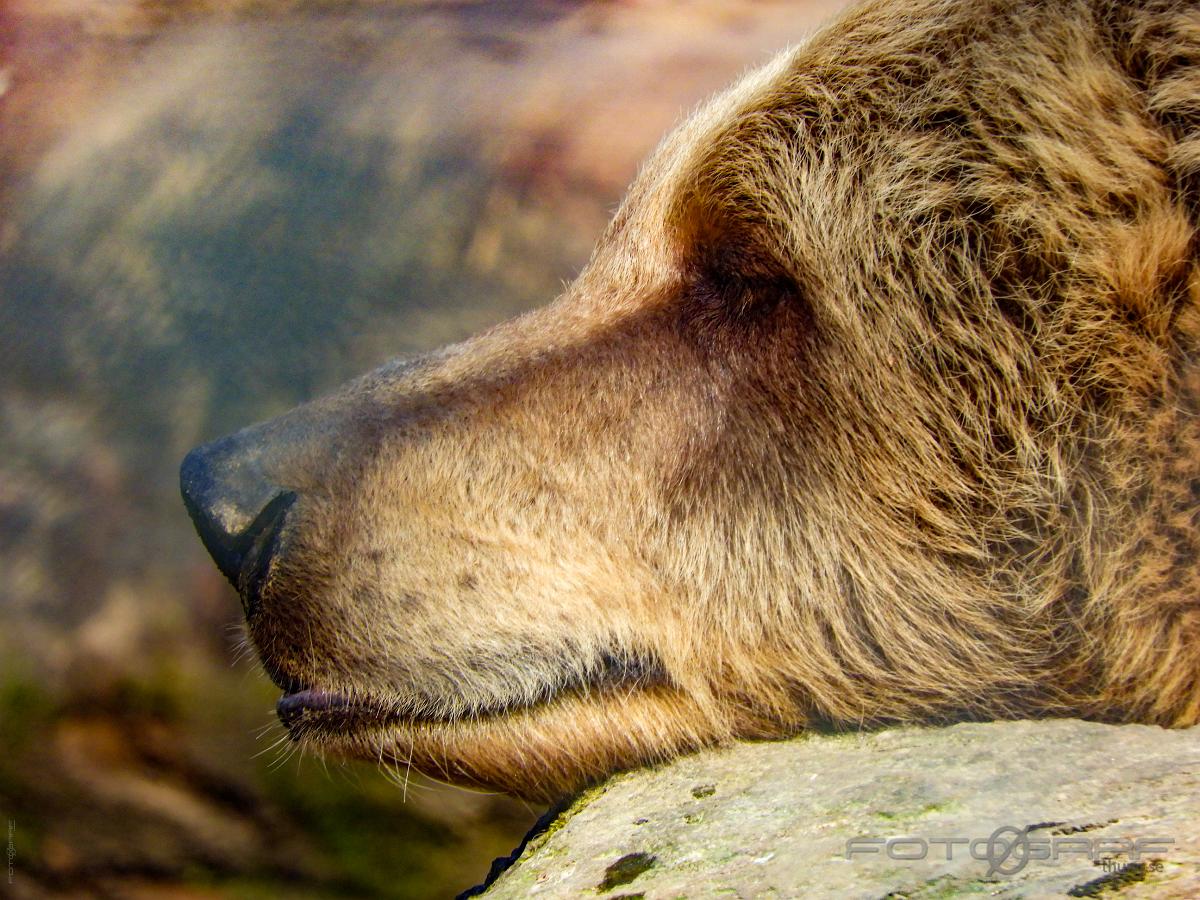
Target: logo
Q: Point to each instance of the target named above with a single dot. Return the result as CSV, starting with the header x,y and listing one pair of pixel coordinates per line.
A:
x,y
1009,849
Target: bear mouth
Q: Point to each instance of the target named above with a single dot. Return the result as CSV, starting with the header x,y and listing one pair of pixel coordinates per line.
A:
x,y
309,712
312,707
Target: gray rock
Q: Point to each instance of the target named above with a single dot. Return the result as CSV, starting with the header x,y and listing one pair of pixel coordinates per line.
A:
x,y
1064,804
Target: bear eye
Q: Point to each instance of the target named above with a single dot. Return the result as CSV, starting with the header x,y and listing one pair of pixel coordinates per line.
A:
x,y
741,295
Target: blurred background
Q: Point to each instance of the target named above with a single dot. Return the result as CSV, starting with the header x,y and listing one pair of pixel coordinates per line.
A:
x,y
211,210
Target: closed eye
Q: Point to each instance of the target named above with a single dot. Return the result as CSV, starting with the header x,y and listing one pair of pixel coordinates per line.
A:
x,y
720,298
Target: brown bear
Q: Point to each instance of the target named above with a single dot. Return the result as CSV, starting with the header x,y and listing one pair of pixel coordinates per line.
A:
x,y
877,402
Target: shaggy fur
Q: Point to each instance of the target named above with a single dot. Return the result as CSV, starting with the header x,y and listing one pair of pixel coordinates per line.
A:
x,y
877,402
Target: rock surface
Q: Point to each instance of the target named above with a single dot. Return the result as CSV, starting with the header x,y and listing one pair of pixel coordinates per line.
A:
x,y
1064,804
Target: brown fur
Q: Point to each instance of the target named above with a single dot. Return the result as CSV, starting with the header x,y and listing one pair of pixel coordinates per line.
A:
x,y
877,402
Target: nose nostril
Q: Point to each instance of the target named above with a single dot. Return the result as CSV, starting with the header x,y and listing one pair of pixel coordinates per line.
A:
x,y
261,540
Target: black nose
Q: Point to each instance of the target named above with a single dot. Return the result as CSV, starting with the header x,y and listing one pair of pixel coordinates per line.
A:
x,y
236,509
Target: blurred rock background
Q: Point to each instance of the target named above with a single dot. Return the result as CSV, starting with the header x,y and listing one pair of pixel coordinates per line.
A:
x,y
211,210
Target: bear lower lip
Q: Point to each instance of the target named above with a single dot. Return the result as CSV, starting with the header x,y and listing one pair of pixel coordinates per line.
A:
x,y
316,711
292,707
